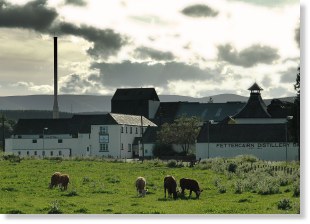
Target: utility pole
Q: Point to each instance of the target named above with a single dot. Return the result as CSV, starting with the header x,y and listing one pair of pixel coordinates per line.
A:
x,y
142,145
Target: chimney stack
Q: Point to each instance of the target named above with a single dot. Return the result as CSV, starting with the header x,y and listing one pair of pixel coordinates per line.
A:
x,y
55,107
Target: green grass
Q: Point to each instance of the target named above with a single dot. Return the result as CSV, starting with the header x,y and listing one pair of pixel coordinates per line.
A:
x,y
101,187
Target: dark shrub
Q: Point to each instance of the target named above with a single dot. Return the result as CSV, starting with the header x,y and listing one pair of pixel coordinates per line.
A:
x,y
284,204
163,150
296,190
232,167
172,163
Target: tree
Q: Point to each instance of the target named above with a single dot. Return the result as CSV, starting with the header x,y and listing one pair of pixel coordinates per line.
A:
x,y
6,129
295,122
183,131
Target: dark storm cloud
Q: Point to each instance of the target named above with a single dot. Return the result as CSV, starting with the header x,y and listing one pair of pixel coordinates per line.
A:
x,y
75,2
289,76
141,74
256,54
37,16
33,15
150,53
199,11
106,42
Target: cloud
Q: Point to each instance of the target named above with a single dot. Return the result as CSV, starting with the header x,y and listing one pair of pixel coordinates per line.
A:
x,y
199,11
37,16
75,2
143,74
33,15
289,76
269,3
297,36
150,53
251,56
46,89
106,42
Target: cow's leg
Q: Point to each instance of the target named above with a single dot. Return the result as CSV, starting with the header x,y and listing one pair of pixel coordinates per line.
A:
x,y
190,193
183,189
165,192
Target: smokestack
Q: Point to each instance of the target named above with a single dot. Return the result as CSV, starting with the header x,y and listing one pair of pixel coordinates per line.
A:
x,y
55,107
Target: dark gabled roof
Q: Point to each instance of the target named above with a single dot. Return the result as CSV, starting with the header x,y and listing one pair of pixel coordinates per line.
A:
x,y
77,124
255,108
280,109
135,94
254,87
36,126
168,112
82,123
242,133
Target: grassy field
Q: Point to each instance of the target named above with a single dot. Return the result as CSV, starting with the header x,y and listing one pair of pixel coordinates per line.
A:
x,y
107,187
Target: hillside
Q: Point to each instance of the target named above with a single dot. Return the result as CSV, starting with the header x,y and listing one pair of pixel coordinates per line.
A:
x,y
96,103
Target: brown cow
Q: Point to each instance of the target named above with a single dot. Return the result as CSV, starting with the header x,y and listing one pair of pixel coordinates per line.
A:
x,y
170,184
191,185
63,181
55,180
140,186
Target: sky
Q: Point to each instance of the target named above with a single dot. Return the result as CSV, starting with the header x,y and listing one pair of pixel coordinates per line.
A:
x,y
191,48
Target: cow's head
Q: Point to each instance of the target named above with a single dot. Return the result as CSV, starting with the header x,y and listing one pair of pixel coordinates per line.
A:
x,y
143,192
198,193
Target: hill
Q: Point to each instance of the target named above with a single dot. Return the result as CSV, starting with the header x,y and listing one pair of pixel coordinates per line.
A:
x,y
99,103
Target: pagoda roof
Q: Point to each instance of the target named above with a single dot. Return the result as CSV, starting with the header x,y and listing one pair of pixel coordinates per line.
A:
x,y
255,86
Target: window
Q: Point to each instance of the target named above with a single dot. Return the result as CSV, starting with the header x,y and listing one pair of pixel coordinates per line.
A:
x,y
122,146
59,140
103,130
35,153
122,129
19,136
43,153
59,153
145,151
104,148
34,140
19,153
87,149
130,130
27,153
52,153
126,129
129,147
136,130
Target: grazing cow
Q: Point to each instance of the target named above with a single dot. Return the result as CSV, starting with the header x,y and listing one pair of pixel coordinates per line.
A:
x,y
55,179
140,186
63,181
170,184
191,185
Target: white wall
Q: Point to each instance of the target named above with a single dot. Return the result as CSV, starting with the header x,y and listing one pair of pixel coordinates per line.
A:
x,y
265,151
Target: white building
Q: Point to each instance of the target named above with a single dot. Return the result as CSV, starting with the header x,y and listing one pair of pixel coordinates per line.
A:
x,y
107,135
252,131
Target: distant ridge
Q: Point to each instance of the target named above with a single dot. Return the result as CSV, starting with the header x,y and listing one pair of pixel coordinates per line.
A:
x,y
98,103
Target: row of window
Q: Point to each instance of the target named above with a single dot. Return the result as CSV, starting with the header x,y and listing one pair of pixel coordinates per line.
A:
x,y
36,141
130,130
105,147
35,153
129,147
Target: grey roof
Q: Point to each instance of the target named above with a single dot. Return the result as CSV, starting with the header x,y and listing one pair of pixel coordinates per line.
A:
x,y
131,120
242,133
169,111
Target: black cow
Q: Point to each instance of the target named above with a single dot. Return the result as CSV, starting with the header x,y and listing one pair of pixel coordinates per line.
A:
x,y
170,184
191,185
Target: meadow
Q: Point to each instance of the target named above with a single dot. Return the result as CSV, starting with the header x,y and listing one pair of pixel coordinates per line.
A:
x,y
242,185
